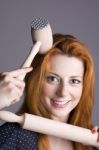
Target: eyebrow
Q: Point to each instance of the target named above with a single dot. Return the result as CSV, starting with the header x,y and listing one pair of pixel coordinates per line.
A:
x,y
54,74
75,76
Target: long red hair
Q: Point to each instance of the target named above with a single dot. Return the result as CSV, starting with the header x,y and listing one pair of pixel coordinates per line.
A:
x,y
82,114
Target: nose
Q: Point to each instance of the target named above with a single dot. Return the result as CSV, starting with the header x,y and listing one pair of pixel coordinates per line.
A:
x,y
63,90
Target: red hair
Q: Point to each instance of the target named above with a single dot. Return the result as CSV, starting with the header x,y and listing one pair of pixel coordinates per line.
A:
x,y
82,114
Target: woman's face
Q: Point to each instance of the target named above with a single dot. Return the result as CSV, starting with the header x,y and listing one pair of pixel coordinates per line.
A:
x,y
62,87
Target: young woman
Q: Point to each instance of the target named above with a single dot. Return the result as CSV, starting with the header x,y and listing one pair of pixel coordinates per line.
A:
x,y
60,87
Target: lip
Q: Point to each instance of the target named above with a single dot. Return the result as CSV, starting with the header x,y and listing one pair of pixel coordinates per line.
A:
x,y
59,104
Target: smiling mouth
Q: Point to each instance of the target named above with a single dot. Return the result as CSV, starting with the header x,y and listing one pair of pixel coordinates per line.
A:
x,y
59,104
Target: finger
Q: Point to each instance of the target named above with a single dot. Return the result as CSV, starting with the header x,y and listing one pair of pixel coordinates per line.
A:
x,y
15,93
98,137
17,72
19,92
20,84
32,54
95,129
22,76
13,83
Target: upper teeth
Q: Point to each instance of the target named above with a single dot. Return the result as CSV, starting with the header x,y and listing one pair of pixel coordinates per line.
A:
x,y
60,102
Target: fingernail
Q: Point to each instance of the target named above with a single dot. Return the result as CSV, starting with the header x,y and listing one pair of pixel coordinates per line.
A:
x,y
93,130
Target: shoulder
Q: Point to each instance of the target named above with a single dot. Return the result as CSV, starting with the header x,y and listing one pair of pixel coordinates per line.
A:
x,y
12,135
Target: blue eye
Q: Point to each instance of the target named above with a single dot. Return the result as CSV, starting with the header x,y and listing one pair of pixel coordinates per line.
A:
x,y
52,79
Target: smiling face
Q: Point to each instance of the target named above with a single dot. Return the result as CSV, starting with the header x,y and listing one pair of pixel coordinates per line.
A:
x,y
62,86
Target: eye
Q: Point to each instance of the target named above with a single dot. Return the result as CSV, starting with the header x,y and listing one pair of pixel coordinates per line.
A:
x,y
53,79
75,81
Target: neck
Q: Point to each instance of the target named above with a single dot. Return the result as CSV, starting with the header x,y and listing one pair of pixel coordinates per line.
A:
x,y
60,118
59,143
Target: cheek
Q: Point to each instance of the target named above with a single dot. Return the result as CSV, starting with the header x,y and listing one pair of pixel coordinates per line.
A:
x,y
48,90
78,93
77,96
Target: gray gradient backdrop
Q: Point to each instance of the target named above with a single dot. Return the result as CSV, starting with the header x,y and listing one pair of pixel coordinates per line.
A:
x,y
77,17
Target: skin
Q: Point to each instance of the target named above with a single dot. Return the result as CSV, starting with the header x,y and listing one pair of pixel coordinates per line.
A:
x,y
11,87
61,92
62,87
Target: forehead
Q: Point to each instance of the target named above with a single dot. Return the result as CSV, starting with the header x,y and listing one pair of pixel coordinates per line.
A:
x,y
65,65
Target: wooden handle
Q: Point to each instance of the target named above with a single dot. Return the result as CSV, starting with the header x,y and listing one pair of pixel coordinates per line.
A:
x,y
52,127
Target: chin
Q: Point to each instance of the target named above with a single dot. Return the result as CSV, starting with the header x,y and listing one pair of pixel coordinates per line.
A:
x,y
60,116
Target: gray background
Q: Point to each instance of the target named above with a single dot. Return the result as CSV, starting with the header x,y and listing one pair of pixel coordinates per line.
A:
x,y
77,17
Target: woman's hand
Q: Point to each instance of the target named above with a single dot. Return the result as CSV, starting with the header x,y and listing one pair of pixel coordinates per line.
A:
x,y
11,87
12,84
94,130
